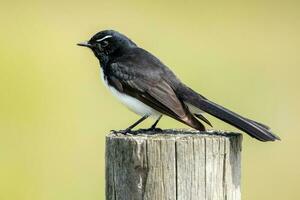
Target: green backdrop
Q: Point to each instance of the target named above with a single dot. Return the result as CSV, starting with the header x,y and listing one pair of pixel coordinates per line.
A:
x,y
55,112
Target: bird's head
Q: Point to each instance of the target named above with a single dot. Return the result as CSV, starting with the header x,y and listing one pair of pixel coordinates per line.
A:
x,y
108,43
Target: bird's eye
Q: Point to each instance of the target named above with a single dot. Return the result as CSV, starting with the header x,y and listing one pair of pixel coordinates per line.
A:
x,y
104,43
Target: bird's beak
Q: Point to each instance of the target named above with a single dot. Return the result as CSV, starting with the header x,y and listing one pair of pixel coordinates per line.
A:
x,y
84,44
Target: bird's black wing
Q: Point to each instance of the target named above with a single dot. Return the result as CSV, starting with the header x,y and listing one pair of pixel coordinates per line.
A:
x,y
143,80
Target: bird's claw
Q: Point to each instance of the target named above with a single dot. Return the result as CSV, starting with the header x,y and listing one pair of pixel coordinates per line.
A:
x,y
152,130
124,132
155,129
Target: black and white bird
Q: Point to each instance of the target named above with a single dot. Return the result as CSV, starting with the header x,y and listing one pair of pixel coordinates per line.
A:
x,y
149,88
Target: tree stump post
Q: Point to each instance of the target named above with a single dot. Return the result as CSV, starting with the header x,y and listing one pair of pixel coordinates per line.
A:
x,y
173,165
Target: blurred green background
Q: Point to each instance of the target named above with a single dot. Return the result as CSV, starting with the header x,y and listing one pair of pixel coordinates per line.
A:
x,y
55,112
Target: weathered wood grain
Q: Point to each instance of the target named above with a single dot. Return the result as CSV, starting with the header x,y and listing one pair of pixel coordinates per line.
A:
x,y
173,165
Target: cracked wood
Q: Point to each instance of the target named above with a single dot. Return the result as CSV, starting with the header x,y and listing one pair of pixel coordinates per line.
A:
x,y
173,165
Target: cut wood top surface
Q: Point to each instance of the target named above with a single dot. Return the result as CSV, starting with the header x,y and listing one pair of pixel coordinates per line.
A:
x,y
175,133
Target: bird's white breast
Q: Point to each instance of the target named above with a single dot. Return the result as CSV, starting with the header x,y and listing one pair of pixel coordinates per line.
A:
x,y
132,103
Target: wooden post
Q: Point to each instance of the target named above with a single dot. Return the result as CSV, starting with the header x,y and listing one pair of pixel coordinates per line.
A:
x,y
173,165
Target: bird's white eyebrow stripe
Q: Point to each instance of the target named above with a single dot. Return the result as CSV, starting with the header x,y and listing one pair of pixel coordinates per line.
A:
x,y
105,37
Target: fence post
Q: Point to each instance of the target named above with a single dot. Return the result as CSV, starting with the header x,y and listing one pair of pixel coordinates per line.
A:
x,y
173,165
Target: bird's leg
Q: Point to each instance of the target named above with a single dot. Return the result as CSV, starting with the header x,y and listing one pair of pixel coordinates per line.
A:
x,y
128,130
153,127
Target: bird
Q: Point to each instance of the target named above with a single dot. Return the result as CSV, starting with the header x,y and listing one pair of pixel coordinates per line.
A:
x,y
149,88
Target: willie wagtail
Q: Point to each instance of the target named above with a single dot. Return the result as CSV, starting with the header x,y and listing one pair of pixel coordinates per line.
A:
x,y
149,88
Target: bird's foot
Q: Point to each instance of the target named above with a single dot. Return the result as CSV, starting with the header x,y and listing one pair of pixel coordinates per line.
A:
x,y
124,132
155,129
151,130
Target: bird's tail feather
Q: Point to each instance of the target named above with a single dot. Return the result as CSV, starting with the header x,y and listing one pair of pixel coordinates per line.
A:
x,y
253,128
